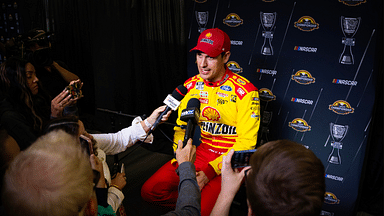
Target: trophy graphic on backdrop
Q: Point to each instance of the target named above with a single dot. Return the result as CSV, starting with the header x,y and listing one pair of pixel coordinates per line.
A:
x,y
338,133
202,20
268,22
349,28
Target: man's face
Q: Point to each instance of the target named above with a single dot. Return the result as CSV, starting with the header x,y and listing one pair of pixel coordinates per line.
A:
x,y
211,68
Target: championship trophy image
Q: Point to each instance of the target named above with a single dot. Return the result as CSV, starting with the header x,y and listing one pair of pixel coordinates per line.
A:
x,y
202,20
338,133
268,22
349,28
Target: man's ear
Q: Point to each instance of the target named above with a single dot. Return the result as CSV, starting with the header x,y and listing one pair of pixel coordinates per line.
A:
x,y
226,56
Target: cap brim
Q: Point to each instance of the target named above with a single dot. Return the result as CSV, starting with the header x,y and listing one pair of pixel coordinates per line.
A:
x,y
206,50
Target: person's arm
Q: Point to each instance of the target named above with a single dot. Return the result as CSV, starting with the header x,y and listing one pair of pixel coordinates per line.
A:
x,y
188,201
66,74
115,191
230,185
113,143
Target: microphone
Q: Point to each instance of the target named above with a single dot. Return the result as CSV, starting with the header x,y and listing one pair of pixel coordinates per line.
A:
x,y
172,102
190,115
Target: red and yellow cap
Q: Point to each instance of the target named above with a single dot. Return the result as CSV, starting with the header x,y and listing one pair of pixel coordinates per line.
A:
x,y
213,42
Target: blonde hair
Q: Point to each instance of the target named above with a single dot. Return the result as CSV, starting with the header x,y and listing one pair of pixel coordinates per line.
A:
x,y
52,177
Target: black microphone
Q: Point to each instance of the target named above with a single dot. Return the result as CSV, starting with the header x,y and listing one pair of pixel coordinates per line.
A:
x,y
172,102
190,115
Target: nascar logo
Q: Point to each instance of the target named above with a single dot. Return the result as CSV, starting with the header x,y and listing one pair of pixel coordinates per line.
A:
x,y
344,82
305,49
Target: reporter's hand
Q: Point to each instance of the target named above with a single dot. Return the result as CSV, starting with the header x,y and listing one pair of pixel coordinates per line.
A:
x,y
201,179
120,180
230,179
188,153
155,114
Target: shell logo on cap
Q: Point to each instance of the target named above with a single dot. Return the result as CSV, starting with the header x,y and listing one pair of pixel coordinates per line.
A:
x,y
208,35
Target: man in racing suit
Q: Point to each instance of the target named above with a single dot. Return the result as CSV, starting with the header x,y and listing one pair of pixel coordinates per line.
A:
x,y
229,118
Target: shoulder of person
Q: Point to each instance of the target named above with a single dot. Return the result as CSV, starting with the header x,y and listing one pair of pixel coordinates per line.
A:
x,y
191,82
242,85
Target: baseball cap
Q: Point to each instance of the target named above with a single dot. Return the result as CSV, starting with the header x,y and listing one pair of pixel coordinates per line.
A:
x,y
213,42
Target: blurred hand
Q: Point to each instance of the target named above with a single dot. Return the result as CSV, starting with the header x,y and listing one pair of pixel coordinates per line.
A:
x,y
188,153
59,103
201,179
120,180
230,179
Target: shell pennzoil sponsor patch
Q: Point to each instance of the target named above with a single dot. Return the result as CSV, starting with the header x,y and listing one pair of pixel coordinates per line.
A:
x,y
341,107
303,77
210,113
306,23
232,20
300,125
266,95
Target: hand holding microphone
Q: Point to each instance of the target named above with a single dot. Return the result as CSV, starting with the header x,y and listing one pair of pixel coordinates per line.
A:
x,y
190,115
172,102
148,122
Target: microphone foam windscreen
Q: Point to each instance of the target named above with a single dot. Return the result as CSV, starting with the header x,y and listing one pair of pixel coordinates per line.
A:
x,y
179,92
193,102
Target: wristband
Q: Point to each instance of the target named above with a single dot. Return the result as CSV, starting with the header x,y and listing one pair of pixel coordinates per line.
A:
x,y
147,124
115,186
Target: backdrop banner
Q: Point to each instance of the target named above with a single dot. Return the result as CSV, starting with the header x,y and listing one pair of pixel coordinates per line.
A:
x,y
313,63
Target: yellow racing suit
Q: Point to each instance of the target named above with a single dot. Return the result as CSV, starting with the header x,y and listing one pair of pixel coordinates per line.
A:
x,y
229,116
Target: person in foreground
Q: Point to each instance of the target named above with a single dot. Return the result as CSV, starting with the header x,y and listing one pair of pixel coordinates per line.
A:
x,y
284,178
229,118
188,202
51,177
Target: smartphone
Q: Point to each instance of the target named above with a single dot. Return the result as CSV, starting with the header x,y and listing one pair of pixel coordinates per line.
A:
x,y
86,144
241,158
74,90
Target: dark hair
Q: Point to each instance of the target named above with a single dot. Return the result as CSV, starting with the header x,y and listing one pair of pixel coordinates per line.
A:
x,y
285,179
14,85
